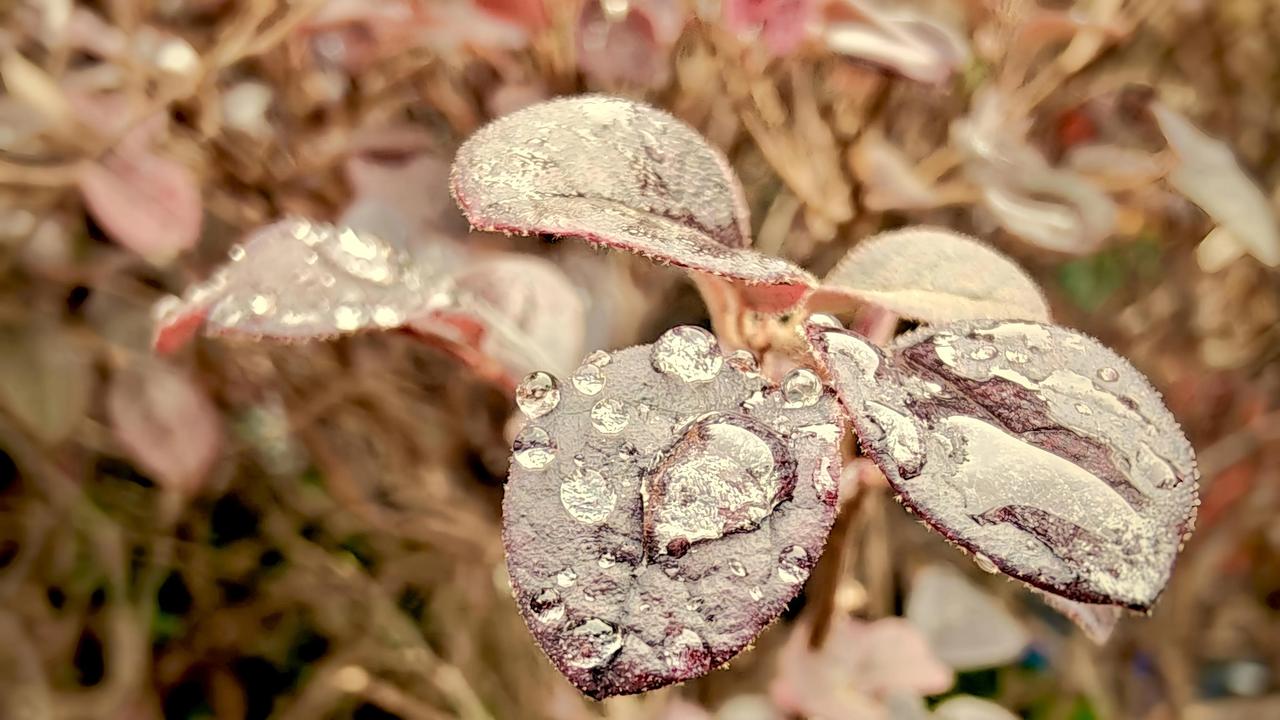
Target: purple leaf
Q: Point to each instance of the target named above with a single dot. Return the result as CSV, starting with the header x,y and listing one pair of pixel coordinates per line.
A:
x,y
622,175
664,505
1097,622
1032,446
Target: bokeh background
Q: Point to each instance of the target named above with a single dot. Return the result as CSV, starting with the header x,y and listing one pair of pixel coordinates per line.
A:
x,y
252,530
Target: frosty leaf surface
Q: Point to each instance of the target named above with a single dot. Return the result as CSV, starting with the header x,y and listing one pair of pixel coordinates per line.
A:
x,y
622,175
1032,446
934,275
663,506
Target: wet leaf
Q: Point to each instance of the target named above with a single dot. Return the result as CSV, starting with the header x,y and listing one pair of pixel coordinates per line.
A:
x,y
1097,622
903,40
46,381
166,423
1032,446
859,664
622,175
934,275
967,628
300,280
665,503
1211,177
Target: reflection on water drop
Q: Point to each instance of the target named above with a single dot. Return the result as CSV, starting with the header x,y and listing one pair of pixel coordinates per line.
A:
x,y
533,448
566,578
983,352
1084,409
607,560
793,565
1108,374
347,317
592,644
984,562
801,388
901,434
1016,356
684,650
857,351
737,568
743,361
599,358
755,593
824,320
547,606
236,253
588,379
688,353
609,416
538,394
587,496
262,304
387,317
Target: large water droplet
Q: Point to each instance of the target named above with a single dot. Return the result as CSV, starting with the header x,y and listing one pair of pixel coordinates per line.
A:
x,y
609,416
793,565
824,320
538,394
743,361
588,379
592,644
801,388
724,473
858,351
688,353
902,437
547,606
587,496
533,448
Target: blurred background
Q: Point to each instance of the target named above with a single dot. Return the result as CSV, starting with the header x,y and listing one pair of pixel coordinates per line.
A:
x,y
241,530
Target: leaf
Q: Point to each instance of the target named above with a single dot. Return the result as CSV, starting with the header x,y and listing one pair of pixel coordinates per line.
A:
x,y
934,275
860,663
1032,446
166,423
888,178
622,175
1097,622
903,40
664,504
633,49
967,628
968,707
46,381
300,280
1211,177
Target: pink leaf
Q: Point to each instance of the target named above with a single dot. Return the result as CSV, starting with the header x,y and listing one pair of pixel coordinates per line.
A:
x,y
166,423
623,175
1097,622
623,51
967,628
781,24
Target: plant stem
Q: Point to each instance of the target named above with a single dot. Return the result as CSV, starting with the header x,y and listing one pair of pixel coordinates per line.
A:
x,y
831,569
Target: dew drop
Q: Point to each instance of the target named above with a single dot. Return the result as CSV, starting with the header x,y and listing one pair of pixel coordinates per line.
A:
x,y
592,644
387,317
566,578
688,353
533,448
609,416
1084,409
755,593
824,320
671,571
985,563
236,253
607,560
347,317
684,649
743,361
1108,374
599,358
588,379
983,352
262,304
1016,356
737,568
538,394
857,350
547,606
801,388
792,563
587,496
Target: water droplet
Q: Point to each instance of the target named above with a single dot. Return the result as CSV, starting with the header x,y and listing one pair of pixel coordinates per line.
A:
x,y
743,361
983,352
688,353
588,379
793,565
533,448
236,253
387,317
684,650
824,320
347,317
587,496
592,644
858,351
901,434
801,388
547,606
566,578
671,571
609,416
1084,409
1016,356
1108,374
538,394
737,568
755,593
328,280
599,358
985,563
262,304
607,560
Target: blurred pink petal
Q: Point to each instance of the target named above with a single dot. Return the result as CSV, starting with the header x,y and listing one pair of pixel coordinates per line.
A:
x,y
512,96
452,26
1097,622
781,24
528,14
416,186
631,50
967,627
904,40
166,423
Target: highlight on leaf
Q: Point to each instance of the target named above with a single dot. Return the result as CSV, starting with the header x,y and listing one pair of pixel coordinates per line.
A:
x,y
934,275
664,504
1037,449
623,175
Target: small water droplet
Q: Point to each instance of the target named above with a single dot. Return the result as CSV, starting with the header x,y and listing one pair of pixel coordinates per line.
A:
x,y
592,644
263,304
671,571
387,317
1016,356
533,448
1108,374
599,358
538,394
547,606
755,593
801,388
743,361
985,563
983,352
792,565
684,649
588,379
587,496
236,253
694,604
1084,409
566,578
347,317
328,280
688,353
824,320
609,416
607,560
737,568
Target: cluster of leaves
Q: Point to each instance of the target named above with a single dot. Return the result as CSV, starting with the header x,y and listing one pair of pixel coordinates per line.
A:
x,y
666,502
